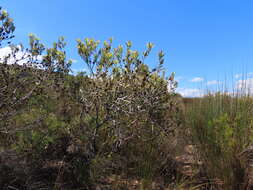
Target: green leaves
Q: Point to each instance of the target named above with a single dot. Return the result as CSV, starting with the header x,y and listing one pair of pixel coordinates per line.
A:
x,y
128,44
161,57
55,59
118,107
103,60
7,26
36,48
149,48
221,128
121,91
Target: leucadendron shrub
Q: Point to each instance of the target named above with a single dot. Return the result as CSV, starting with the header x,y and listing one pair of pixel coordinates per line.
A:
x,y
119,118
127,113
221,128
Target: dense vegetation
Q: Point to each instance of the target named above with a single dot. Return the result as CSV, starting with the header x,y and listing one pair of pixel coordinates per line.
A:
x,y
115,126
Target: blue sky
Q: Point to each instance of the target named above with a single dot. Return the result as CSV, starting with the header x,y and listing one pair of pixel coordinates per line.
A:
x,y
204,40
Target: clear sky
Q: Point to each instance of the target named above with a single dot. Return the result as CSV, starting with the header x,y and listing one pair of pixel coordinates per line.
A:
x,y
204,40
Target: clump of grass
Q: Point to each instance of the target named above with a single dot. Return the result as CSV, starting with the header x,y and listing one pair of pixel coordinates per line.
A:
x,y
221,128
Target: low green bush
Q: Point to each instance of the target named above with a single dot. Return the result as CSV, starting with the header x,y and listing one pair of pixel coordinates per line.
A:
x,y
221,127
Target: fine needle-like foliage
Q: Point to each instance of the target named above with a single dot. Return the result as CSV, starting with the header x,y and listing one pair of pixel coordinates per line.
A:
x,y
221,127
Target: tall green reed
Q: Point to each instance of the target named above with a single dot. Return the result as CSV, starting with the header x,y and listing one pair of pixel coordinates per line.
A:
x,y
221,127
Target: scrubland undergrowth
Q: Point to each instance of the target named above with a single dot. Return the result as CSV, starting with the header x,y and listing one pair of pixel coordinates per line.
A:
x,y
116,126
